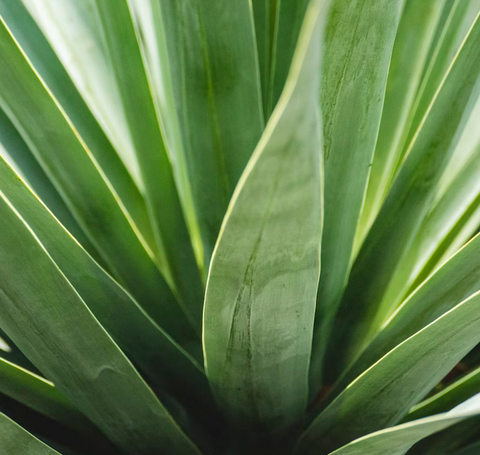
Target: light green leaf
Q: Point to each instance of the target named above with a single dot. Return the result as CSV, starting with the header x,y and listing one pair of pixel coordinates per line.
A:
x,y
50,323
385,392
216,80
359,42
456,280
14,440
260,298
398,440
373,289
44,60
155,168
147,17
412,43
70,166
451,396
461,16
73,31
39,394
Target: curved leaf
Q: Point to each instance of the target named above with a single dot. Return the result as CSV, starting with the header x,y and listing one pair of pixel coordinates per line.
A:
x,y
141,338
70,166
156,171
44,60
261,289
50,323
373,289
359,42
385,392
398,440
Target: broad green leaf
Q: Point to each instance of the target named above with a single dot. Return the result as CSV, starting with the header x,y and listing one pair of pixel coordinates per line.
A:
x,y
44,60
156,171
38,394
456,280
398,440
260,298
136,333
14,440
449,397
359,42
372,292
216,80
50,323
84,188
412,43
73,31
289,15
385,392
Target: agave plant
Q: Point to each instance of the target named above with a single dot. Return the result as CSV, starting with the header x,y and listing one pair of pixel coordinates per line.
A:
x,y
243,228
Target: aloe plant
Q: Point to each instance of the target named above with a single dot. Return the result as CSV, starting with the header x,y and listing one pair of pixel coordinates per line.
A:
x,y
243,228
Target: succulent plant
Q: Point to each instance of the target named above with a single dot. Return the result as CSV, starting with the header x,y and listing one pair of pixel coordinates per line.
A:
x,y
239,228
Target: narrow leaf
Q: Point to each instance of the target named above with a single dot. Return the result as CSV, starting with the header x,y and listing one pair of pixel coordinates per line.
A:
x,y
141,338
44,60
70,166
14,440
216,81
372,291
358,49
384,393
412,43
50,323
398,440
156,171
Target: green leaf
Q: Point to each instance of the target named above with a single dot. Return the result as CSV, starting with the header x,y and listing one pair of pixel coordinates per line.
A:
x,y
398,440
72,28
260,299
359,42
289,15
156,171
461,16
14,150
216,80
147,17
140,337
70,166
412,43
385,392
44,60
373,288
456,280
14,440
39,394
50,323
449,397
265,15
